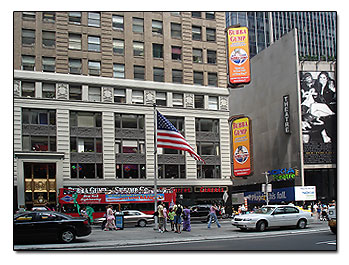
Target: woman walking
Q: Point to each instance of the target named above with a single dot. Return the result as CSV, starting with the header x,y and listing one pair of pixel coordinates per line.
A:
x,y
186,219
110,219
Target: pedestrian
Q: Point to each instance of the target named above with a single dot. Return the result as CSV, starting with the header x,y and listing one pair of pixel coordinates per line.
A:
x,y
110,225
213,215
171,216
165,217
178,219
186,219
161,217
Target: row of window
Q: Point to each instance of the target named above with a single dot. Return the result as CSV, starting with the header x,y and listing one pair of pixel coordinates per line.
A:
x,y
48,90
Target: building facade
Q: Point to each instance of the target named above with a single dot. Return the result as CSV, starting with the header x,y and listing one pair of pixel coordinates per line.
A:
x,y
316,31
84,88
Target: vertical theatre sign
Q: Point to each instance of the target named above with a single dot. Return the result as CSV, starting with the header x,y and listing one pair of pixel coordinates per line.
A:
x,y
238,56
242,160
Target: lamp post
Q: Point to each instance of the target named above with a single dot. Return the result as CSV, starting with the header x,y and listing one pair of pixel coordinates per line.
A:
x,y
267,187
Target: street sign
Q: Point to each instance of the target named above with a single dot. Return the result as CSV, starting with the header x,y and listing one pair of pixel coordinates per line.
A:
x,y
225,196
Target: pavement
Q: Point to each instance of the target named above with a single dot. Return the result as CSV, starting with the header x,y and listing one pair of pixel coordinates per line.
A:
x,y
99,239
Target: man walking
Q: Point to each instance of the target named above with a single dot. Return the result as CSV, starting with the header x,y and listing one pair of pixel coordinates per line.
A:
x,y
165,217
161,217
178,219
213,215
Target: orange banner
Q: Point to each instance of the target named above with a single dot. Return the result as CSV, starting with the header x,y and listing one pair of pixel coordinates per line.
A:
x,y
241,147
239,56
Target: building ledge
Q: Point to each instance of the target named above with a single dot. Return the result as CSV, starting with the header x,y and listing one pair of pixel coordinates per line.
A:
x,y
38,155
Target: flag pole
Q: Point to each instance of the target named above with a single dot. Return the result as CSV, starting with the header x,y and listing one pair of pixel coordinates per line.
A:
x,y
155,167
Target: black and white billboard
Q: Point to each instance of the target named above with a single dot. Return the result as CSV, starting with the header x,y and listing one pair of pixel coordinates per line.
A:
x,y
319,117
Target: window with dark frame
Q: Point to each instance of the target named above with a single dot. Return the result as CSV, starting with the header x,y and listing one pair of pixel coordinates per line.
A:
x,y
139,72
48,64
48,39
158,74
118,46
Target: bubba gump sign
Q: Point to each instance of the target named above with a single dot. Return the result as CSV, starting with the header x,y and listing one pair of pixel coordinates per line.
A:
x,y
238,53
241,146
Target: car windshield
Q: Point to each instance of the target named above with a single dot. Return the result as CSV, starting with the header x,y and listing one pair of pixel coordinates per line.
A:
x,y
265,210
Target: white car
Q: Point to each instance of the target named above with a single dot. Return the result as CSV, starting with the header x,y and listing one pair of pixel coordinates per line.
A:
x,y
131,218
273,216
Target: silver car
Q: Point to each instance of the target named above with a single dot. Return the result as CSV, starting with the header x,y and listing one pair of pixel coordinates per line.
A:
x,y
273,216
131,218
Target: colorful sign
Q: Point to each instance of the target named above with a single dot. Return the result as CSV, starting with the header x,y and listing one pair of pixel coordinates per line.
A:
x,y
117,198
238,56
283,174
276,196
241,150
202,189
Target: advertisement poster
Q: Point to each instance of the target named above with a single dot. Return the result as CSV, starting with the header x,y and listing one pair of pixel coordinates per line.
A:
x,y
117,198
305,193
238,56
319,117
241,150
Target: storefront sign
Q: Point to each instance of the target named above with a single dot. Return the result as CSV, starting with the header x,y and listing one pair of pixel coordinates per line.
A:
x,y
277,195
286,108
283,174
305,193
182,190
210,189
115,198
241,149
117,190
238,53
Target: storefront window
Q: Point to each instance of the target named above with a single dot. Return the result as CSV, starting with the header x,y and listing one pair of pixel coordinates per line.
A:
x,y
86,170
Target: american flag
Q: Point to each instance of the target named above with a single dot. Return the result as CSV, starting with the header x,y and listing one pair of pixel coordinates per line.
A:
x,y
169,137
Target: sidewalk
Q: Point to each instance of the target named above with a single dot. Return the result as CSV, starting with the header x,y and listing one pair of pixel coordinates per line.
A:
x,y
147,235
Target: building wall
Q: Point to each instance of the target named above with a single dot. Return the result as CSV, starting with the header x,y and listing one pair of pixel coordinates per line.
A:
x,y
274,74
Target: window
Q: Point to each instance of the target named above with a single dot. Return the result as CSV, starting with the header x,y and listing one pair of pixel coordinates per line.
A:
x,y
75,92
196,33
28,89
197,56
48,90
129,121
177,100
139,72
199,101
86,170
119,95
132,171
137,25
157,27
138,49
176,53
291,210
176,30
198,78
118,70
118,47
75,66
137,97
75,17
85,119
28,37
158,74
161,99
74,41
118,22
177,76
94,68
49,17
28,15
39,143
210,34
207,125
129,146
212,79
28,63
196,14
158,50
171,171
48,64
94,94
213,103
82,145
38,116
209,171
48,39
94,19
210,15
208,148
94,43
211,57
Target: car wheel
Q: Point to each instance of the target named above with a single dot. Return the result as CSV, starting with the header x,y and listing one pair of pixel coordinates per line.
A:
x,y
67,236
301,224
142,223
261,226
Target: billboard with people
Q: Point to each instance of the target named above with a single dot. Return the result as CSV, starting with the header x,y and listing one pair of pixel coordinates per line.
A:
x,y
319,117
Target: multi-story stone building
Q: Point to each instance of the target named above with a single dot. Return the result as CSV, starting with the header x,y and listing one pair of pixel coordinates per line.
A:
x,y
84,88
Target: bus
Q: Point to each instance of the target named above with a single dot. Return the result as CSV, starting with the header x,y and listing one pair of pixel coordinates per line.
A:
x,y
120,201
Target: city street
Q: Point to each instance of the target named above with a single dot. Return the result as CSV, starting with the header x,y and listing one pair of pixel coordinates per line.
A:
x,y
316,236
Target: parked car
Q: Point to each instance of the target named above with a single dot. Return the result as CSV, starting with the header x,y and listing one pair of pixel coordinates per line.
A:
x,y
34,225
131,218
273,216
201,212
332,219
